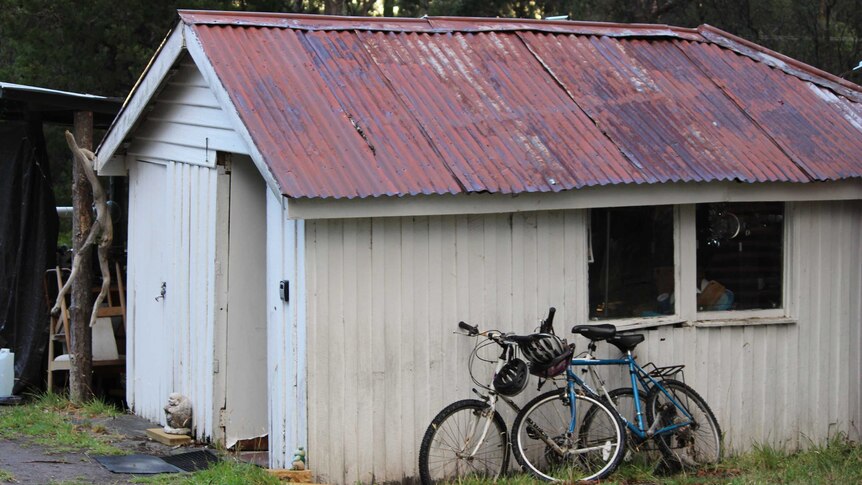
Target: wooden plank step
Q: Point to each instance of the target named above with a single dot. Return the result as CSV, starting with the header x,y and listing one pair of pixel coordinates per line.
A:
x,y
110,311
292,476
158,434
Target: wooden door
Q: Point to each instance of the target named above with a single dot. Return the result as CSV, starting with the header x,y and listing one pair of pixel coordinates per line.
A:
x,y
244,360
150,377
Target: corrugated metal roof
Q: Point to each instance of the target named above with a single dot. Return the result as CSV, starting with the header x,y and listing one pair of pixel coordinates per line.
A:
x,y
53,105
358,107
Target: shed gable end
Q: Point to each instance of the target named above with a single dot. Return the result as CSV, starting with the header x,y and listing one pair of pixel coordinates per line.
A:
x,y
184,122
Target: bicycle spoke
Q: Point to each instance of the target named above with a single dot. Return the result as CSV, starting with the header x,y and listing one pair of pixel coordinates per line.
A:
x,y
451,449
544,445
697,440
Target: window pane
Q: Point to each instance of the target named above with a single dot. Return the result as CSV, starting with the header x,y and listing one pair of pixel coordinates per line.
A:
x,y
740,260
631,262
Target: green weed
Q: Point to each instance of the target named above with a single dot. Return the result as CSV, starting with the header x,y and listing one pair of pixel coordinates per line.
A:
x,y
227,472
6,476
840,461
99,408
49,421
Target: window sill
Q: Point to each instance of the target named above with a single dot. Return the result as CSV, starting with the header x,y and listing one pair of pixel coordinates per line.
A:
x,y
629,324
624,325
745,322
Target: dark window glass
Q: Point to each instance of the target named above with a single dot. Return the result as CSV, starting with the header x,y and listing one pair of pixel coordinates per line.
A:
x,y
740,262
631,262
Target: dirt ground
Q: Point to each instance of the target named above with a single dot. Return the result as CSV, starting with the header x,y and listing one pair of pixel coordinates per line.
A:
x,y
32,464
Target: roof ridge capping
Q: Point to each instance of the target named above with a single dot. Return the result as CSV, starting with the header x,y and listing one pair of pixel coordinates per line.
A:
x,y
780,61
432,24
703,33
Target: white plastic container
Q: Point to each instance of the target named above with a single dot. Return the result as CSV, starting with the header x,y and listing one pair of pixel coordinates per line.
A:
x,y
7,372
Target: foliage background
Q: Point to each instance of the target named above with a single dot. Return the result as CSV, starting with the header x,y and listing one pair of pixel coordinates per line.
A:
x,y
102,46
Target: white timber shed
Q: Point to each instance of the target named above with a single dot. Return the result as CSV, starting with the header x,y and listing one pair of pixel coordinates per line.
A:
x,y
315,202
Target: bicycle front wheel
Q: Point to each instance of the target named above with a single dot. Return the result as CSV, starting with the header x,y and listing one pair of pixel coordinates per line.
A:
x,y
693,445
545,447
454,447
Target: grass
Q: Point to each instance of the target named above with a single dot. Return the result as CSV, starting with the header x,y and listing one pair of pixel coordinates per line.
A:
x,y
227,472
50,421
838,462
6,476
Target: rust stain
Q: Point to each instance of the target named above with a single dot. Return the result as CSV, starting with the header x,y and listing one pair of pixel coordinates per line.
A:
x,y
361,107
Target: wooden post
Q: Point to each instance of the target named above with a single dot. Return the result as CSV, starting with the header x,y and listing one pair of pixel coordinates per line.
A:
x,y
81,353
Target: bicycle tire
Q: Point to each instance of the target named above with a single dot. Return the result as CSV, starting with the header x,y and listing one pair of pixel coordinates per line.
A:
x,y
545,421
443,442
689,446
643,452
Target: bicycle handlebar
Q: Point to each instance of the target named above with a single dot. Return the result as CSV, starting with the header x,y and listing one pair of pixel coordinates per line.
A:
x,y
548,325
470,329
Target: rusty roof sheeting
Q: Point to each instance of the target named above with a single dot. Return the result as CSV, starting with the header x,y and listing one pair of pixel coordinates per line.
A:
x,y
670,118
345,108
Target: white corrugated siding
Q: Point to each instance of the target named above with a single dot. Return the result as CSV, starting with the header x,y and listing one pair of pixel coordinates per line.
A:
x,y
173,353
384,296
286,334
185,123
171,343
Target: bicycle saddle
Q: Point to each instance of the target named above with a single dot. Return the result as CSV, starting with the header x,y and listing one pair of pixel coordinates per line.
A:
x,y
595,332
626,342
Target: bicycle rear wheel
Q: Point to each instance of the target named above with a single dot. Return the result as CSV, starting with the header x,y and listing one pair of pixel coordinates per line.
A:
x,y
690,446
451,448
544,446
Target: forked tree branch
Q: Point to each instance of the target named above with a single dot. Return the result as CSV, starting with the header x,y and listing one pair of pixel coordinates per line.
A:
x,y
102,228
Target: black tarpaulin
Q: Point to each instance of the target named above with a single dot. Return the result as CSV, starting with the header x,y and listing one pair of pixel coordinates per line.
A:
x,y
28,240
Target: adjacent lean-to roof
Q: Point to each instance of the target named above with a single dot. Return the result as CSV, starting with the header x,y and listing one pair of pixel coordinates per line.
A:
x,y
357,107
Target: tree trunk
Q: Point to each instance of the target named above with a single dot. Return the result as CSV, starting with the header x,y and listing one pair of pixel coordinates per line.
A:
x,y
334,7
81,353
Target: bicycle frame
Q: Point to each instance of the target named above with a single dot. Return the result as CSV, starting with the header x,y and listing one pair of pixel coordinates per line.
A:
x,y
640,381
492,398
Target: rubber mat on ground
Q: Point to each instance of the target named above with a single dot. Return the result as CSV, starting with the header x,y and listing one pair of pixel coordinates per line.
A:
x,y
192,461
139,464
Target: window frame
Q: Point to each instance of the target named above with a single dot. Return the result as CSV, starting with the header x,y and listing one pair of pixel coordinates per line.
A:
x,y
685,268
641,322
746,317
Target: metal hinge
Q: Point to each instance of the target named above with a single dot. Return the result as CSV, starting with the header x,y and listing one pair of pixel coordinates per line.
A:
x,y
215,366
222,417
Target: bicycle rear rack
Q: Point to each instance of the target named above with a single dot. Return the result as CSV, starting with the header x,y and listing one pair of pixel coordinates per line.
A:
x,y
666,372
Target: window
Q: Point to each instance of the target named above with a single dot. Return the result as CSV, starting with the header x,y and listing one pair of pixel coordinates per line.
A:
x,y
740,263
712,263
631,262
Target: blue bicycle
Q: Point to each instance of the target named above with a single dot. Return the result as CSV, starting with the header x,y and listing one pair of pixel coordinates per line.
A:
x,y
663,409
655,407
469,438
